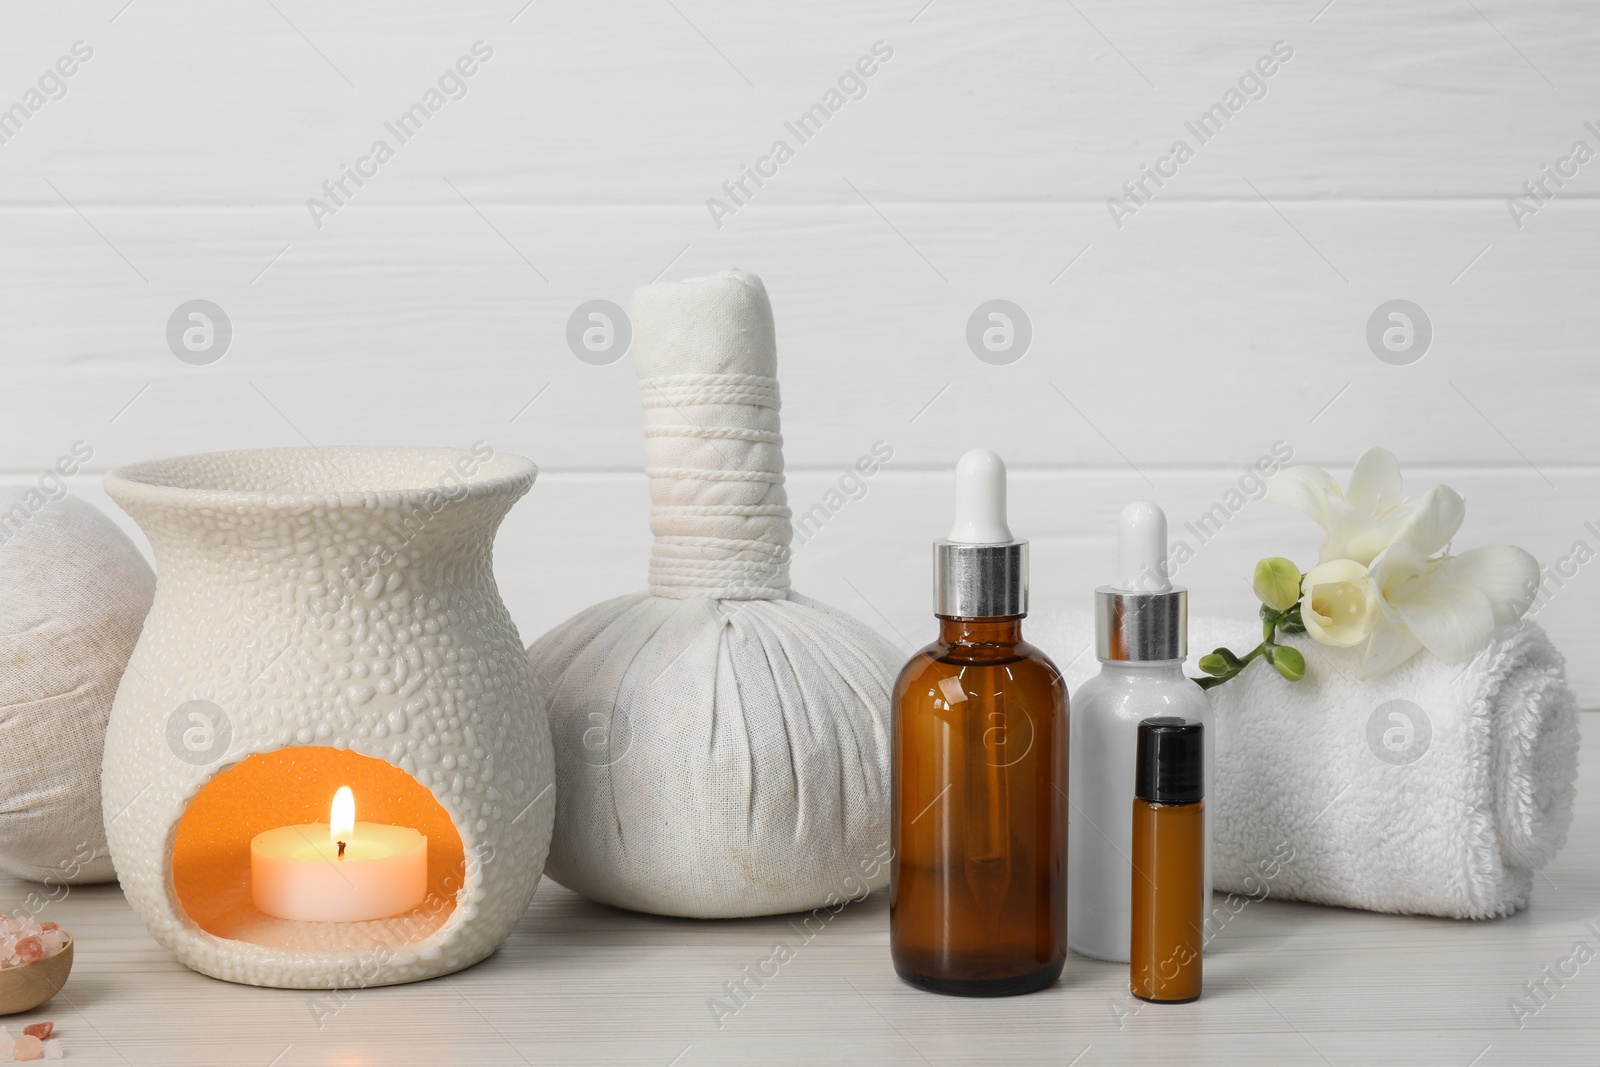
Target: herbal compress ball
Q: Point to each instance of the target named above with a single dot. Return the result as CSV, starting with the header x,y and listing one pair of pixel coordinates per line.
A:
x,y
721,741
74,592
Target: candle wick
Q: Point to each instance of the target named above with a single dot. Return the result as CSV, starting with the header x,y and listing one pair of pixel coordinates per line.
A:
x,y
341,850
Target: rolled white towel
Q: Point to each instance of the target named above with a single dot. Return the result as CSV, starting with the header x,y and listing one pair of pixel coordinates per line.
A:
x,y
1435,789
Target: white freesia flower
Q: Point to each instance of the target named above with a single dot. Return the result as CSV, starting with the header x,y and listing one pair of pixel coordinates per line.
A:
x,y
1385,580
1449,605
1340,607
1371,513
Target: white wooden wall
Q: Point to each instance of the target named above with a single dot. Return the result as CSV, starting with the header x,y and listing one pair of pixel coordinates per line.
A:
x,y
1168,354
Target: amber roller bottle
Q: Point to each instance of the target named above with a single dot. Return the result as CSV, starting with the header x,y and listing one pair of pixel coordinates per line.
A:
x,y
978,899
1169,861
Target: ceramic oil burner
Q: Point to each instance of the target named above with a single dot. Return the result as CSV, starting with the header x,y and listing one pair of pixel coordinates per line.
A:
x,y
326,620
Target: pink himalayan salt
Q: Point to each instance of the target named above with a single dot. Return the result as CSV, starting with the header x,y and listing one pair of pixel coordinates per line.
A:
x,y
24,941
41,1031
28,1047
51,1049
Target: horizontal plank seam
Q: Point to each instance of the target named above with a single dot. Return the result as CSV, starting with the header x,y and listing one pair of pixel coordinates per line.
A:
x,y
560,206
898,471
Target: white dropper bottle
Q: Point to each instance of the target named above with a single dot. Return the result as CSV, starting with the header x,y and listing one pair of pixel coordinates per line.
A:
x,y
1141,638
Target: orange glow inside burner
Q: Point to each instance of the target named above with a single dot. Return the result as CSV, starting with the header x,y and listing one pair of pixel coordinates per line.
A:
x,y
211,850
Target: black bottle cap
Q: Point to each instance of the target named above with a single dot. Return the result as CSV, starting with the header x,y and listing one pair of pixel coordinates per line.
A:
x,y
1171,763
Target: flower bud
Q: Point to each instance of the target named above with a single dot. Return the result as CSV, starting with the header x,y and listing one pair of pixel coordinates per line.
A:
x,y
1277,583
1289,662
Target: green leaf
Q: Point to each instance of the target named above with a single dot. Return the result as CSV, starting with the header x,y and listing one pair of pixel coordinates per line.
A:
x,y
1292,623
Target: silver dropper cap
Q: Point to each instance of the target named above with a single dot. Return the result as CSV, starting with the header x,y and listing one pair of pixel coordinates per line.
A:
x,y
980,571
1144,617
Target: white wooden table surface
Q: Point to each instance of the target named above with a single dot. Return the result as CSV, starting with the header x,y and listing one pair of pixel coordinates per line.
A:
x,y
578,983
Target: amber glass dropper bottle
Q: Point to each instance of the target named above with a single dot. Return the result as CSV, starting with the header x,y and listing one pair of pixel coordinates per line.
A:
x,y
978,898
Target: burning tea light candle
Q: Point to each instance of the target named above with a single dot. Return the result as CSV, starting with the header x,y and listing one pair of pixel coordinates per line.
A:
x,y
338,871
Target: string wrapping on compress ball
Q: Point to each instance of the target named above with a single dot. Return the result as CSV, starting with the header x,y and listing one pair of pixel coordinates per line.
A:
x,y
714,457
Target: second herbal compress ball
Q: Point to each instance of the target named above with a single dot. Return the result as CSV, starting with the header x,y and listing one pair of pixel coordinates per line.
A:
x,y
721,741
73,595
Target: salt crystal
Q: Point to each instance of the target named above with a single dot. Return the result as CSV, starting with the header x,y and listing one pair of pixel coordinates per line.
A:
x,y
41,1031
24,941
27,1047
53,1049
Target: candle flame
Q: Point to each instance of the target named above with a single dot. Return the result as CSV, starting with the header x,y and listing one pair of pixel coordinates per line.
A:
x,y
343,819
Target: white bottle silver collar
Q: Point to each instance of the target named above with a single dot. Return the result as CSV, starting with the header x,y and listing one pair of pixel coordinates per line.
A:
x,y
1141,627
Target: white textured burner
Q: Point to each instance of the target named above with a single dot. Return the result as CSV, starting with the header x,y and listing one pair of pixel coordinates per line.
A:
x,y
337,597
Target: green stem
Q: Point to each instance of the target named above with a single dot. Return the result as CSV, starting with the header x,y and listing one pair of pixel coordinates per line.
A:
x,y
1269,637
1244,661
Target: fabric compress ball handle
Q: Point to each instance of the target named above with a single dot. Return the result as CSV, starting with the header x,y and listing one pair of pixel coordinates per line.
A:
x,y
714,454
